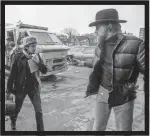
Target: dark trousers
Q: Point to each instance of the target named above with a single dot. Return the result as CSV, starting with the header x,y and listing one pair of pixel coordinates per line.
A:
x,y
36,101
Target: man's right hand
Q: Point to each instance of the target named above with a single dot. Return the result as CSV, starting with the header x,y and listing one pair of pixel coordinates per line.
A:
x,y
79,62
86,94
9,96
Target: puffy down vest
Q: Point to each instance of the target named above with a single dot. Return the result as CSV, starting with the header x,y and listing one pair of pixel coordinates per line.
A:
x,y
128,61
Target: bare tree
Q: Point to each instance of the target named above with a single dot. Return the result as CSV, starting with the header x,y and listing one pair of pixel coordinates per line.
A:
x,y
71,33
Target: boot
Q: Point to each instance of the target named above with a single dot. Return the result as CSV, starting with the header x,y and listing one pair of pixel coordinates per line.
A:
x,y
13,122
39,121
13,125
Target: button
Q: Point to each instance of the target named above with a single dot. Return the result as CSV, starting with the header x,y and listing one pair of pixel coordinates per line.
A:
x,y
101,93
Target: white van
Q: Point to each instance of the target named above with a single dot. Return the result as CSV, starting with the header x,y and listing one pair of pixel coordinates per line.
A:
x,y
50,48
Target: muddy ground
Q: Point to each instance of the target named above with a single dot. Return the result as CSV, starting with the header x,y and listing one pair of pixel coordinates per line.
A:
x,y
66,109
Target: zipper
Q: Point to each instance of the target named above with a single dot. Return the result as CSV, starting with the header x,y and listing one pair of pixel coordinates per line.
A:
x,y
118,42
130,73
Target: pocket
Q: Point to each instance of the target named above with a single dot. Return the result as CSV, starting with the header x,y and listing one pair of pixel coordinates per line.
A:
x,y
103,95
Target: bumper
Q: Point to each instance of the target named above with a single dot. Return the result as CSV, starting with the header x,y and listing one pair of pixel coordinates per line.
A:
x,y
54,72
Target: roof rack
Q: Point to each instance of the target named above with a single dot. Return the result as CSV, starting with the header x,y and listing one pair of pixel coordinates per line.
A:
x,y
32,26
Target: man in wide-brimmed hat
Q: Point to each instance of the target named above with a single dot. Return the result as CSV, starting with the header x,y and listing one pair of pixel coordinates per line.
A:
x,y
22,81
118,60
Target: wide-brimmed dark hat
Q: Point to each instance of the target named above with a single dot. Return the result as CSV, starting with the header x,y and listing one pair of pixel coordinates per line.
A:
x,y
107,15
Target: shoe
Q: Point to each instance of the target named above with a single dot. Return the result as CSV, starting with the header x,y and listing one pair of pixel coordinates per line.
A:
x,y
13,125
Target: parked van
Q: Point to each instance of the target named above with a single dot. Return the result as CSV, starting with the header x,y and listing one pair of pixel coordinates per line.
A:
x,y
50,48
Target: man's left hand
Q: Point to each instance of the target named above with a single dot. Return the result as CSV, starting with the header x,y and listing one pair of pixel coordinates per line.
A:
x,y
36,58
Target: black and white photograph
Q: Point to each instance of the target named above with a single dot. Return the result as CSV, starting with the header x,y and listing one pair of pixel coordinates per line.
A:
x,y
74,67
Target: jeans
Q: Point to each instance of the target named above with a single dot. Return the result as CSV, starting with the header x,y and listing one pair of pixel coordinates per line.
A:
x,y
123,113
36,101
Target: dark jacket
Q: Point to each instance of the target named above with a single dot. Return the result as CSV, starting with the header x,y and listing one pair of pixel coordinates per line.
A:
x,y
128,61
17,78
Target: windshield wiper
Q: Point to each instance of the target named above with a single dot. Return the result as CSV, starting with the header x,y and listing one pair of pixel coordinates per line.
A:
x,y
57,42
50,42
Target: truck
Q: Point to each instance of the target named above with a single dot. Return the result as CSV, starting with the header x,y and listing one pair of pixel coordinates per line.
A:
x,y
49,47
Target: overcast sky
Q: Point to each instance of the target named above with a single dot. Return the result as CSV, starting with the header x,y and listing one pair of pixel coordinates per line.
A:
x,y
58,17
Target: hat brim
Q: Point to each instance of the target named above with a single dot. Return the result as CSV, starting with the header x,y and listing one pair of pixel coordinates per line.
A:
x,y
106,20
30,43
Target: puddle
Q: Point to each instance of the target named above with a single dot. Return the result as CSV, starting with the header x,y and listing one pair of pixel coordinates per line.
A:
x,y
77,72
76,94
59,78
72,110
51,95
78,124
76,101
88,115
51,112
54,86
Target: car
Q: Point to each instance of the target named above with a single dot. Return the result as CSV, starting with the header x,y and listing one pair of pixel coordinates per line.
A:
x,y
86,53
75,49
81,53
71,52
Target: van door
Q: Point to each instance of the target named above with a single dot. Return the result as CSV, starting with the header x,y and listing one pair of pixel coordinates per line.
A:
x,y
9,44
10,34
22,34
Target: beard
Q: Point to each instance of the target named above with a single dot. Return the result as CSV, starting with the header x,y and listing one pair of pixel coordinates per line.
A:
x,y
100,40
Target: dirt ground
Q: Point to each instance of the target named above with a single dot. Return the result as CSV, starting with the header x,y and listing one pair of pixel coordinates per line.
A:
x,y
66,109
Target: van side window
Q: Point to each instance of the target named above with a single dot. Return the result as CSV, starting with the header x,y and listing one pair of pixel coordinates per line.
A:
x,y
21,36
9,43
11,35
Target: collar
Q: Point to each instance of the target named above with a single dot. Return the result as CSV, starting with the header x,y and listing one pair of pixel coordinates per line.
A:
x,y
112,39
115,38
120,37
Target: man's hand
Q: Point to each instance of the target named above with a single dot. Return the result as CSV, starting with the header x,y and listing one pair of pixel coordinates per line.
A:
x,y
86,94
79,62
129,89
42,67
36,58
131,86
9,96
39,57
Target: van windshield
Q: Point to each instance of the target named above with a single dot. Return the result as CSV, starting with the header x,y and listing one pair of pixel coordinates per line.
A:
x,y
43,38
55,38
